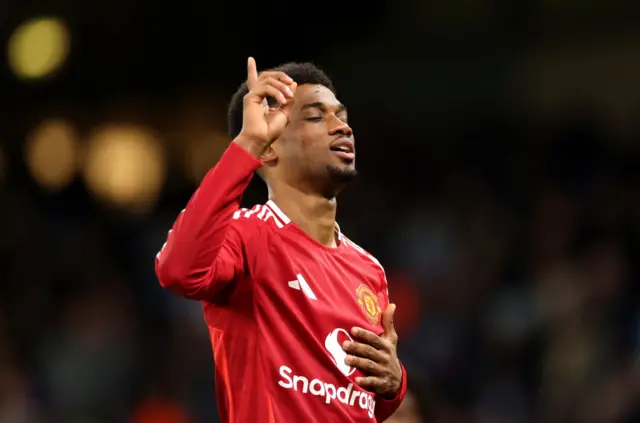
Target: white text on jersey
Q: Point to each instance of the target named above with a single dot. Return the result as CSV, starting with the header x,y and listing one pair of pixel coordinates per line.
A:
x,y
346,395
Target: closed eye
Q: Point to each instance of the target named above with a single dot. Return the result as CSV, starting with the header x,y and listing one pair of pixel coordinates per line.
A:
x,y
314,118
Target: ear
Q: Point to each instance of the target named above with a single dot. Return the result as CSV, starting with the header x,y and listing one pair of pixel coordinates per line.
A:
x,y
270,155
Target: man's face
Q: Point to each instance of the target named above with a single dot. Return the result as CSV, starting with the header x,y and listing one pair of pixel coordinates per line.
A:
x,y
317,145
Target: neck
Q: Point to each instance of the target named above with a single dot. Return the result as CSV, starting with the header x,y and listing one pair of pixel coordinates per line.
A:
x,y
314,214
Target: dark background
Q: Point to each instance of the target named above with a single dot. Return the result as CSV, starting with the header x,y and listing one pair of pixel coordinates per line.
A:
x,y
499,147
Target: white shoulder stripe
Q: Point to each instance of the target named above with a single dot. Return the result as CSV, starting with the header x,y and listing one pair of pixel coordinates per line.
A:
x,y
274,207
364,253
259,211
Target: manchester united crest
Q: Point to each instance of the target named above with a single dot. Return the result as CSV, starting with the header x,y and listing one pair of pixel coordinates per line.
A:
x,y
368,300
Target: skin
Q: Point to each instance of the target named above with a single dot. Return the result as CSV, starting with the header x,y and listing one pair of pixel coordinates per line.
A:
x,y
301,156
304,176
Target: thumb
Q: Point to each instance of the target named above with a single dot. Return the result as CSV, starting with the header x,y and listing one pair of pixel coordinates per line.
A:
x,y
387,322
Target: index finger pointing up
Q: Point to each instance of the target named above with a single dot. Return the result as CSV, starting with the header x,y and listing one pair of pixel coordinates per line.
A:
x,y
252,73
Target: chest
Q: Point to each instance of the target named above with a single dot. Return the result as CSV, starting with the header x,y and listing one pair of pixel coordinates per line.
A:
x,y
325,288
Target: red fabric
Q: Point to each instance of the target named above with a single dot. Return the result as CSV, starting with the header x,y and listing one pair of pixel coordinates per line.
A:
x,y
277,303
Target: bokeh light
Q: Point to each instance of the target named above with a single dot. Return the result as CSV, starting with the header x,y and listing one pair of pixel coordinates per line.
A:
x,y
51,154
38,47
202,153
159,410
197,131
125,166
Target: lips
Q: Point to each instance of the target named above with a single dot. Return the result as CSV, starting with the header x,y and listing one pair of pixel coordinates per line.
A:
x,y
345,148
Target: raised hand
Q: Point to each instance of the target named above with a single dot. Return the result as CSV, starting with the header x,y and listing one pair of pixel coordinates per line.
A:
x,y
377,357
261,124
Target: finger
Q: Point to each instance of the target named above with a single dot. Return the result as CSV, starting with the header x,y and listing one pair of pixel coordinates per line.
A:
x,y
370,338
365,365
252,73
371,383
280,76
262,91
278,119
387,323
364,350
284,88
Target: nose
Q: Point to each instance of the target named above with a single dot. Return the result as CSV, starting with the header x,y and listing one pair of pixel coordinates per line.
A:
x,y
339,127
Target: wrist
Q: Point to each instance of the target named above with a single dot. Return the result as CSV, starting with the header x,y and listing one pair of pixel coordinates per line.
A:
x,y
253,147
390,396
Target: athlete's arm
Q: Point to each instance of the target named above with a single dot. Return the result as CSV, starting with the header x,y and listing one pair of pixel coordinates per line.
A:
x,y
204,251
376,355
387,405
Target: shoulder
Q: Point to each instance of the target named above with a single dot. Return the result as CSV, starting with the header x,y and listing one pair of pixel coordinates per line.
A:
x,y
259,217
367,258
251,229
361,251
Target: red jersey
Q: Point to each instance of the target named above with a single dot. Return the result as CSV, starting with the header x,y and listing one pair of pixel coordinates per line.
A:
x,y
278,304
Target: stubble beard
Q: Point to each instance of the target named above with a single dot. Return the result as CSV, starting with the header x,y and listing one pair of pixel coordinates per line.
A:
x,y
342,175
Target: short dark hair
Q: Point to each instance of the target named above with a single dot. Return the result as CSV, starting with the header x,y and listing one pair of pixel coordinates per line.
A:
x,y
301,73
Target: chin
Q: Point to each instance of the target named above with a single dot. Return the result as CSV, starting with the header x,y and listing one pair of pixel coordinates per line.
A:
x,y
344,173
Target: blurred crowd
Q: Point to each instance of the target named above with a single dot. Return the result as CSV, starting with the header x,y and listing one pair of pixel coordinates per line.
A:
x,y
511,250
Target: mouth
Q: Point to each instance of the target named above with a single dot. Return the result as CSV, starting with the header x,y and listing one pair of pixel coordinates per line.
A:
x,y
345,149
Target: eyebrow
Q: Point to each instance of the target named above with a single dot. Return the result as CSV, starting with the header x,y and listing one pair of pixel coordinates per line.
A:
x,y
319,105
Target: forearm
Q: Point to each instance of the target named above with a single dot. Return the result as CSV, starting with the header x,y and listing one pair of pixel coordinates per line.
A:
x,y
185,263
386,407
